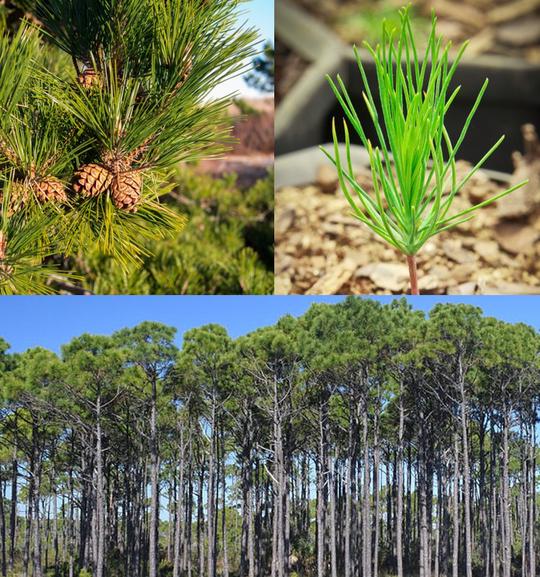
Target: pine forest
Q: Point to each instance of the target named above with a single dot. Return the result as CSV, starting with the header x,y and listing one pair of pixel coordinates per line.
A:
x,y
358,440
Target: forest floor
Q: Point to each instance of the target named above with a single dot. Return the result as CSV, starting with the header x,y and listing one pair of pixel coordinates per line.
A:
x,y
322,249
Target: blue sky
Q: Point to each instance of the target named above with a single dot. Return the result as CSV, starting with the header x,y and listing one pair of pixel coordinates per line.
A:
x,y
260,14
27,322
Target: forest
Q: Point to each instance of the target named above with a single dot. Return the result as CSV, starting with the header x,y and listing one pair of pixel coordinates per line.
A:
x,y
358,440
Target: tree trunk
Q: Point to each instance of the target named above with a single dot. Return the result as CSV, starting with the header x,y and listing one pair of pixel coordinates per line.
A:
x,y
13,509
366,502
153,551
532,498
211,498
321,491
333,537
179,507
3,556
466,478
455,509
349,500
399,513
506,511
100,497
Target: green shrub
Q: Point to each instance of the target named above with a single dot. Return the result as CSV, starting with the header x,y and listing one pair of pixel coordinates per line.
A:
x,y
226,247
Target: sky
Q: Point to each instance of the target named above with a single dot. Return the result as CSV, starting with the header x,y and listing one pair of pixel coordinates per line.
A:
x,y
50,322
260,14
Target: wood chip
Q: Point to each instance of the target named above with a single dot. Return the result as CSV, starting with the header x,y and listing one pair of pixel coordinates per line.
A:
x,y
323,250
467,288
454,251
516,238
520,33
388,276
488,250
464,13
334,279
282,285
507,12
511,289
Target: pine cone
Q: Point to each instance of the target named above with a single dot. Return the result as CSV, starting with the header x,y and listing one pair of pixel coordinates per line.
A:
x,y
92,180
19,193
90,79
126,191
50,189
4,268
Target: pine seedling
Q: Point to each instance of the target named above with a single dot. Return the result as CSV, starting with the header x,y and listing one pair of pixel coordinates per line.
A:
x,y
413,165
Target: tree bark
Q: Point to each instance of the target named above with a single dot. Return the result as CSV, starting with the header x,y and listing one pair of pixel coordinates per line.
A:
x,y
399,513
153,551
466,471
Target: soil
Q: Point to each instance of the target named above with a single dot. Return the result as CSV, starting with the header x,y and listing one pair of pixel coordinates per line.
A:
x,y
322,249
289,69
505,27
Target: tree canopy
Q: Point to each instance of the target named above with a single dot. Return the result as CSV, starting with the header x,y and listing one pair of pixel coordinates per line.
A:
x,y
357,440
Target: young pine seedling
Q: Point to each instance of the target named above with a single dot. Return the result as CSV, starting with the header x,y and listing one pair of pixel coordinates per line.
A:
x,y
414,164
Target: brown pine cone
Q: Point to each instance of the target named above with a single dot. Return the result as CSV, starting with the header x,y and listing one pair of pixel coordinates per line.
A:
x,y
92,180
50,189
19,193
126,191
4,267
90,79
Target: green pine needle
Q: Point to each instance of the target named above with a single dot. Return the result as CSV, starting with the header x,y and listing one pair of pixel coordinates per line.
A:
x,y
414,165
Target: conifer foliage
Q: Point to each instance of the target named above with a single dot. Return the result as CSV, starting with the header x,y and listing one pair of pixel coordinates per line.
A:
x,y
88,145
358,440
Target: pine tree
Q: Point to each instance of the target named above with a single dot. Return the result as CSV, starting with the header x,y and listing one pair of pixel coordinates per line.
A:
x,y
87,146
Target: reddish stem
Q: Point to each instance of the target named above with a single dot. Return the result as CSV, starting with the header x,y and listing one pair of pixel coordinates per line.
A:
x,y
2,245
411,261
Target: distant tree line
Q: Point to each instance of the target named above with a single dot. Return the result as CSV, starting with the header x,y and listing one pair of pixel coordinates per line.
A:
x,y
358,440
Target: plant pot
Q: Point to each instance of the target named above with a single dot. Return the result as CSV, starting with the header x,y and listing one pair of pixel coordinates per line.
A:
x,y
322,249
303,118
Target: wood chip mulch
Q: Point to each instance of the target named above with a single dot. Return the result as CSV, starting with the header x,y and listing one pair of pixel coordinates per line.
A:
x,y
322,249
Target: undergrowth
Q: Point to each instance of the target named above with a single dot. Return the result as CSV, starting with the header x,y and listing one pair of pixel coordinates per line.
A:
x,y
225,248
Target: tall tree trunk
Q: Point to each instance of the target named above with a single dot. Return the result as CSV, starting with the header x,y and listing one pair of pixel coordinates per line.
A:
x,y
3,543
224,507
455,510
366,501
13,509
153,552
532,497
333,536
422,497
506,511
399,513
211,498
38,571
349,500
321,491
376,494
247,548
178,533
466,477
100,497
